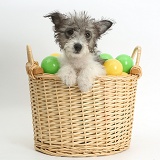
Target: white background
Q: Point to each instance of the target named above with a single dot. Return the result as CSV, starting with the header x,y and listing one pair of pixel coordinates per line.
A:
x,y
22,22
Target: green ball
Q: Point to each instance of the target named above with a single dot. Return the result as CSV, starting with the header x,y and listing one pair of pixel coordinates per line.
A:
x,y
105,56
50,65
126,61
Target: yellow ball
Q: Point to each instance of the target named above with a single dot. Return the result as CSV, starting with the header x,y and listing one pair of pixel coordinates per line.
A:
x,y
55,54
113,67
124,74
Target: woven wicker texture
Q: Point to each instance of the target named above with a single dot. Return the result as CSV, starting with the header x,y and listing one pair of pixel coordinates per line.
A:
x,y
67,122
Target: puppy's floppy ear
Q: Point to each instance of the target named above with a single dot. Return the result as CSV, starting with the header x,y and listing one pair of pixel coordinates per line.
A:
x,y
103,26
57,18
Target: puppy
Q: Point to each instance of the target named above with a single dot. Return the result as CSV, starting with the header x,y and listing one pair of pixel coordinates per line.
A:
x,y
77,35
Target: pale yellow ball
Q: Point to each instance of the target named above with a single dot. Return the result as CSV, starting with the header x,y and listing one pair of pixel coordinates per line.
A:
x,y
124,74
113,67
55,54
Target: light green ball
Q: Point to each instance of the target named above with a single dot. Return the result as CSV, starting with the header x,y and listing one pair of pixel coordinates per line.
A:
x,y
50,65
126,61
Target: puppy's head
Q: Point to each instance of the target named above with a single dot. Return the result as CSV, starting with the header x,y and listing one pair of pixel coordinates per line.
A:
x,y
77,34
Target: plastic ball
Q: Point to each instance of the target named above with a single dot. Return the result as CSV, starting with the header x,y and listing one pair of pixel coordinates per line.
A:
x,y
105,56
55,54
50,65
127,62
124,74
113,67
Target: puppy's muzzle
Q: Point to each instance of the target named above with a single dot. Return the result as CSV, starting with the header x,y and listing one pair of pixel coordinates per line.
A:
x,y
77,47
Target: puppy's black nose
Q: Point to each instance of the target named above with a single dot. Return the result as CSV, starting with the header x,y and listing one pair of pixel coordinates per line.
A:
x,y
77,47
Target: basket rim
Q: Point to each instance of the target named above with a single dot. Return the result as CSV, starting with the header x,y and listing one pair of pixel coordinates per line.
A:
x,y
105,77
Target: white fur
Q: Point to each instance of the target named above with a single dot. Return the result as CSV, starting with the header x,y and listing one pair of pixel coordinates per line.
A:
x,y
79,68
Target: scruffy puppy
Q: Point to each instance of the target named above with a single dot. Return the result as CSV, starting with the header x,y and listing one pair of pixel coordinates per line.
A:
x,y
77,36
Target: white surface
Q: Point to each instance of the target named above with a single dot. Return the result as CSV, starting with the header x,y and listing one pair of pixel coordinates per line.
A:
x,y
22,22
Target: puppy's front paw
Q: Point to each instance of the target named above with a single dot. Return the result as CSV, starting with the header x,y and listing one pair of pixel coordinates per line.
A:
x,y
85,87
84,83
67,75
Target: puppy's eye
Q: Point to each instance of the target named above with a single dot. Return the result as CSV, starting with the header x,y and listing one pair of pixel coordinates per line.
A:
x,y
69,32
88,34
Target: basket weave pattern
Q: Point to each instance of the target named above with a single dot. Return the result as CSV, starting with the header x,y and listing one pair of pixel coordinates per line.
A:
x,y
67,122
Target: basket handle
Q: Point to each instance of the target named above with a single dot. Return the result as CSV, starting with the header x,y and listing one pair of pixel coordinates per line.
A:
x,y
29,55
136,69
32,67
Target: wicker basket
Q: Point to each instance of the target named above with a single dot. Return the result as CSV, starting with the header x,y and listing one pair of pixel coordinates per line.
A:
x,y
67,122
